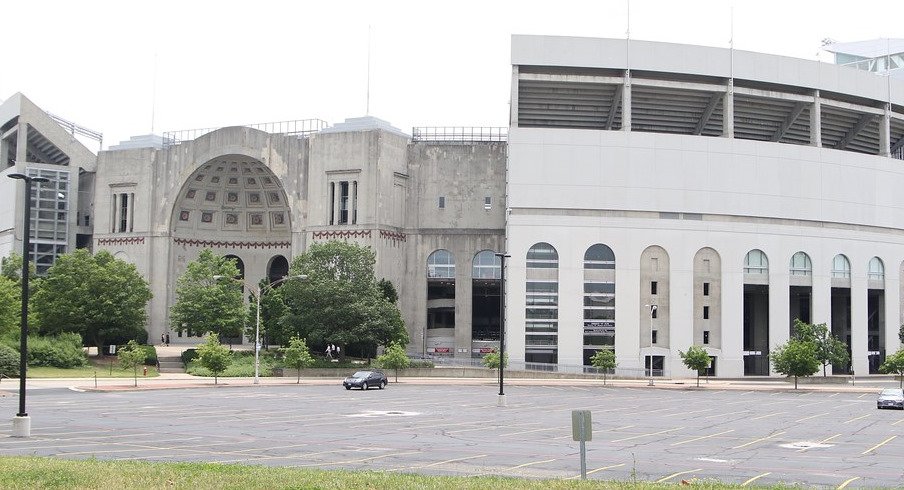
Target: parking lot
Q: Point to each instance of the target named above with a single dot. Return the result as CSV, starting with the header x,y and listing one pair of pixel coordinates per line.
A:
x,y
825,438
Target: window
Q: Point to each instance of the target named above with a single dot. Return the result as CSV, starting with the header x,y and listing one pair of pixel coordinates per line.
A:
x,y
654,287
486,265
441,264
343,203
123,212
354,202
655,336
705,337
542,256
654,313
332,203
876,269
705,289
487,202
801,265
599,256
841,267
706,312
442,202
756,263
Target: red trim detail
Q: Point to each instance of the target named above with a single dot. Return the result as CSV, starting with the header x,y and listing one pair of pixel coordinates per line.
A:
x,y
121,241
394,236
228,244
329,235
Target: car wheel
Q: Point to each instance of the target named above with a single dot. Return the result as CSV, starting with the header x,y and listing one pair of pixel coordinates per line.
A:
x,y
364,385
382,384
348,387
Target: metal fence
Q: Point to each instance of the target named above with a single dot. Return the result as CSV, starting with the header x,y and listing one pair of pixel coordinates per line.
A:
x,y
624,373
459,134
298,126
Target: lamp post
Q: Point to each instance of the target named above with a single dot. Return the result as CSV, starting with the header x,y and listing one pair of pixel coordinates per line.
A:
x,y
257,325
22,423
652,312
502,256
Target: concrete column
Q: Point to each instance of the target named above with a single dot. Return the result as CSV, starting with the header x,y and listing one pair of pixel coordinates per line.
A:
x,y
779,310
4,153
626,103
571,309
731,363
513,104
131,212
885,132
816,121
859,333
115,213
353,199
22,144
728,110
892,311
337,211
464,304
681,302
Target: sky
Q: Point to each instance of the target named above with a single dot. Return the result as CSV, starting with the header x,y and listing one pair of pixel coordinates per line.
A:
x,y
127,67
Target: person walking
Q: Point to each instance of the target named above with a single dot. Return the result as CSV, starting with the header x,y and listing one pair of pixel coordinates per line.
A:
x,y
166,339
163,339
329,351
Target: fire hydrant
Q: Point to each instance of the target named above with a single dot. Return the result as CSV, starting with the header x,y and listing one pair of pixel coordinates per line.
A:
x,y
145,370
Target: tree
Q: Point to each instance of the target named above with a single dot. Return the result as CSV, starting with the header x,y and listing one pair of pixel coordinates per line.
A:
x,y
696,359
895,364
10,305
273,307
604,359
298,356
97,296
394,358
388,290
829,348
131,356
901,333
796,358
11,268
340,302
491,360
205,303
213,356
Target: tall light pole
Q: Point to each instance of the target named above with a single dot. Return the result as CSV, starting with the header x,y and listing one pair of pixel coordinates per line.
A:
x,y
257,325
502,256
652,312
22,423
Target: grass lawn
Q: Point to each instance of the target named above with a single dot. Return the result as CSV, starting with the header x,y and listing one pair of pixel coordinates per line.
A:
x,y
32,472
101,366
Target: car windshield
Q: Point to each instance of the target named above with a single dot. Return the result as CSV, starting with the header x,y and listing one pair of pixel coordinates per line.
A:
x,y
891,392
361,374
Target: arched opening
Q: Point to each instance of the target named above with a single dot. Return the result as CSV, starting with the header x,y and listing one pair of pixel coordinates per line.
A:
x,y
541,316
599,300
800,292
278,268
440,336
756,313
841,306
485,289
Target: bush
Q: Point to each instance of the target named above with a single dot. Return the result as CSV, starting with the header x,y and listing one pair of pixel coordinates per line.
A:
x,y
150,355
61,351
189,355
420,363
9,361
242,365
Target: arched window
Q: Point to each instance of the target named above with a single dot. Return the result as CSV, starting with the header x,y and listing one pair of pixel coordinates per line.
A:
x,y
486,265
441,264
841,267
238,263
278,268
876,269
756,262
542,256
599,256
801,265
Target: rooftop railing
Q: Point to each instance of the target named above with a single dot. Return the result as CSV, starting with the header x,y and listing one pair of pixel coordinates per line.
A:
x,y
459,134
298,126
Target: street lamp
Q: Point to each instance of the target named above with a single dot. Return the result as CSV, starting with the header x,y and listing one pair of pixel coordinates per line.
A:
x,y
502,256
653,309
22,423
257,326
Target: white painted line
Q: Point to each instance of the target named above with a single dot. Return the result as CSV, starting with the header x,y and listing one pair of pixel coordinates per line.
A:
x,y
703,437
647,435
759,440
812,417
673,475
855,418
748,482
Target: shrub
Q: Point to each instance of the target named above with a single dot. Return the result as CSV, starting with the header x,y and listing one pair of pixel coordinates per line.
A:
x,y
421,363
150,355
9,361
189,355
61,351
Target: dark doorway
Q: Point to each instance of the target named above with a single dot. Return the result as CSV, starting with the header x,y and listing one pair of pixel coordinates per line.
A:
x,y
841,323
279,268
484,311
756,330
799,303
875,309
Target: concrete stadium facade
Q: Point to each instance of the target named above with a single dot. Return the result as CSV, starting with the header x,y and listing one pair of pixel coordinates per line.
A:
x,y
651,196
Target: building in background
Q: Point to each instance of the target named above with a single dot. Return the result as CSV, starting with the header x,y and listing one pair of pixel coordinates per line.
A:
x,y
881,56
652,196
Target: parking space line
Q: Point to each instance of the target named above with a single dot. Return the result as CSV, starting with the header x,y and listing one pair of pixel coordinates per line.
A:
x,y
863,395
767,415
673,475
812,417
834,395
702,437
329,463
748,482
439,462
492,427
739,412
847,482
827,439
529,431
530,464
647,435
621,428
877,446
759,440
604,468
689,413
855,418
898,422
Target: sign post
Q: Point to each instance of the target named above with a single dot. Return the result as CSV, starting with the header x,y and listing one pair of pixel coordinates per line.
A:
x,y
582,430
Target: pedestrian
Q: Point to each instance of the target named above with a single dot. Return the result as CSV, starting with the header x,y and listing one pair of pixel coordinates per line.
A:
x,y
329,351
166,339
162,339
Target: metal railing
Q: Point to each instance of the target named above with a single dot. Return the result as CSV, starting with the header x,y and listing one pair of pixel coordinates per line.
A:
x,y
298,126
623,373
76,129
459,134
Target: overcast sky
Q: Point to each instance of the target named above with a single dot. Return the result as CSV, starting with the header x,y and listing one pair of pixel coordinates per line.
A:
x,y
221,63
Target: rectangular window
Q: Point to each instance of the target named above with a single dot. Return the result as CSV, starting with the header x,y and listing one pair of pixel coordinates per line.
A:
x,y
654,287
705,289
706,312
354,202
123,212
487,202
442,202
655,336
332,203
706,337
654,313
343,203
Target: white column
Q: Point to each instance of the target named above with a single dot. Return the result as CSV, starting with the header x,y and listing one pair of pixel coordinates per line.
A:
x,y
681,310
859,332
571,308
114,213
728,110
22,145
626,103
885,132
816,121
892,310
513,115
779,310
731,363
